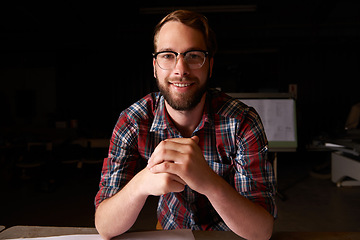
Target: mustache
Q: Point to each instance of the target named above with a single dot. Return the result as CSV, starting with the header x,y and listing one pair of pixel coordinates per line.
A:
x,y
178,79
182,79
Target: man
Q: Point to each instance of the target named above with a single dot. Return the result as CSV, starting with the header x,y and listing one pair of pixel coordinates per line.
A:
x,y
203,152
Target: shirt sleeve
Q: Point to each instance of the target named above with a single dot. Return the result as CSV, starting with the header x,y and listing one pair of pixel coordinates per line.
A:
x,y
254,177
121,164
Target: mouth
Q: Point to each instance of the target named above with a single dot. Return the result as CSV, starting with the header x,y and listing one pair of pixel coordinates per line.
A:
x,y
182,85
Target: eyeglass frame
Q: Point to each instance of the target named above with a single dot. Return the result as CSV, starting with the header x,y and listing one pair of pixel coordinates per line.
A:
x,y
206,53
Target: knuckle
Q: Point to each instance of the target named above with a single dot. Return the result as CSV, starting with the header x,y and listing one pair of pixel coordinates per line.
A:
x,y
166,165
163,143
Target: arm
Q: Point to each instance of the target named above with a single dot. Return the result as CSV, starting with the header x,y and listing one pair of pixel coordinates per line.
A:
x,y
123,187
110,217
117,214
184,158
256,222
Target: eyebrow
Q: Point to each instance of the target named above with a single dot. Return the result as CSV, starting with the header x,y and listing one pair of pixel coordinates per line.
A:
x,y
172,50
166,49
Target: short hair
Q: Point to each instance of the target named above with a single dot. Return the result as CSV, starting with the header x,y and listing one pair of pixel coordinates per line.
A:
x,y
193,20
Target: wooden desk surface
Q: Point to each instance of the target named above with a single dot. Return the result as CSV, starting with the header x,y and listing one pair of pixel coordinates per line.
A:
x,y
35,231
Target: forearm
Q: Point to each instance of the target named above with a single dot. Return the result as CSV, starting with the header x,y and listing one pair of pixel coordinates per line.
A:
x,y
117,214
242,216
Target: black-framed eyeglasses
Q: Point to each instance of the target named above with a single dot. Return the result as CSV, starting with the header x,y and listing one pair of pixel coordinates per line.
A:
x,y
167,60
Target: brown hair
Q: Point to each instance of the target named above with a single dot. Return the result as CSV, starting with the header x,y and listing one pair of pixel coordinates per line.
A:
x,y
193,20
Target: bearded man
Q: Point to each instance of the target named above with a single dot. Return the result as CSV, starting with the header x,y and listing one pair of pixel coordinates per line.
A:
x,y
200,150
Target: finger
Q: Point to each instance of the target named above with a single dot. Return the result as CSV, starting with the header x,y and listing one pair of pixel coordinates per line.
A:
x,y
175,186
156,156
167,183
179,140
185,141
196,139
167,151
178,179
182,145
166,167
165,156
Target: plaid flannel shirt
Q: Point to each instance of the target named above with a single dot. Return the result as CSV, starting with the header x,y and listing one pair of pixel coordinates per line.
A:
x,y
232,140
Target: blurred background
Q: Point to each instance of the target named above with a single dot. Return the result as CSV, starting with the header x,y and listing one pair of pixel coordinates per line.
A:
x,y
67,70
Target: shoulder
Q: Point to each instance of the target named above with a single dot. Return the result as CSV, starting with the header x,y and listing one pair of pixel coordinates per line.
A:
x,y
229,107
139,113
143,109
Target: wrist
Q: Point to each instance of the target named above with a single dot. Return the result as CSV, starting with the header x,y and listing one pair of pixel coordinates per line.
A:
x,y
214,184
139,187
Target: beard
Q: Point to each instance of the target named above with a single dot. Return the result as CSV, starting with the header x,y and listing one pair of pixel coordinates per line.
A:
x,y
188,100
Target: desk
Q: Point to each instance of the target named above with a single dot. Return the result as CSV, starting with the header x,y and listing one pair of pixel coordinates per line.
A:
x,y
33,231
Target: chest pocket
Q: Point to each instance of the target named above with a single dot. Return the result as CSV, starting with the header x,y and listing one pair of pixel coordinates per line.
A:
x,y
224,147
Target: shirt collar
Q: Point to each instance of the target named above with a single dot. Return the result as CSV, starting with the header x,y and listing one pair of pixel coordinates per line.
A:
x,y
159,122
162,120
206,117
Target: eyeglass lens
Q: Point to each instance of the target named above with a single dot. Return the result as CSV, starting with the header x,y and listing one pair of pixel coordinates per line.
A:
x,y
194,59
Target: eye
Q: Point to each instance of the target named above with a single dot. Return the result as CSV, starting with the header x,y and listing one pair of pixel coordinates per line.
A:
x,y
194,56
167,56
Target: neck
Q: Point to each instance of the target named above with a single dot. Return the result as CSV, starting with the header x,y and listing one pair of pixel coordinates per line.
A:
x,y
187,121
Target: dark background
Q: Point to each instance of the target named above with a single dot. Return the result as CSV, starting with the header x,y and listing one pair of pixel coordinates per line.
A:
x,y
68,60
64,61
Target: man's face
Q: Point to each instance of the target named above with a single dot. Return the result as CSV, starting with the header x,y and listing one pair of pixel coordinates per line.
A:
x,y
181,86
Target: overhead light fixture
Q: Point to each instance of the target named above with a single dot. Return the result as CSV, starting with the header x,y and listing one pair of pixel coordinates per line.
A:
x,y
203,9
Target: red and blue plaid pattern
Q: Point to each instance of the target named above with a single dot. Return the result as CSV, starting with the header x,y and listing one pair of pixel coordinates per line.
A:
x,y
233,142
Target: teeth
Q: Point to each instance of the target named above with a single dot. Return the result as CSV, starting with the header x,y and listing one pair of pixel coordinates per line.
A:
x,y
182,84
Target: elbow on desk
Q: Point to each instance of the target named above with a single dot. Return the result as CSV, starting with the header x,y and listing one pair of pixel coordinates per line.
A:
x,y
105,234
262,232
106,229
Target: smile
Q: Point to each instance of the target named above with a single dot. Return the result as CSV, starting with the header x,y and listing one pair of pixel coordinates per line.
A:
x,y
182,84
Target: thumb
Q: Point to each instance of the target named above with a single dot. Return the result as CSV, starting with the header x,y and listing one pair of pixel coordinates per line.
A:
x,y
196,139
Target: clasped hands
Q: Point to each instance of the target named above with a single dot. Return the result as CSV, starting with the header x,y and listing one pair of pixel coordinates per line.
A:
x,y
175,163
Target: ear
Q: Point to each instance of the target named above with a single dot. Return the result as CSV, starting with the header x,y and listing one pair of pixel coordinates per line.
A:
x,y
154,67
211,66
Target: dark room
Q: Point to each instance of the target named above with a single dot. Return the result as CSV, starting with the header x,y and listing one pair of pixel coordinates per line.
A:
x,y
69,69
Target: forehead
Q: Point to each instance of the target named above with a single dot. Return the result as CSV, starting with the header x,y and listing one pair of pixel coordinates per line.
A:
x,y
179,37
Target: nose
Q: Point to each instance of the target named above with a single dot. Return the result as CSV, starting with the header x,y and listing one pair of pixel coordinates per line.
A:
x,y
181,68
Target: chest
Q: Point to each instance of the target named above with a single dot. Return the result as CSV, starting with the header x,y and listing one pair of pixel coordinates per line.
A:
x,y
217,142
